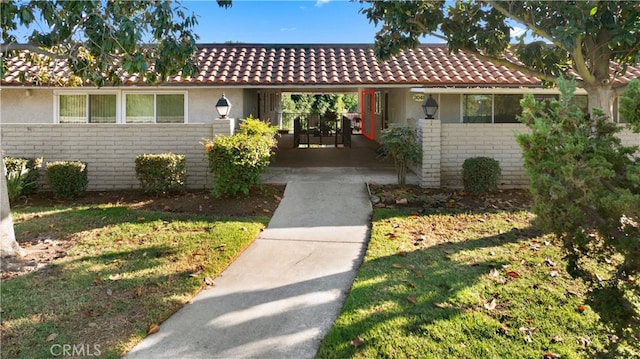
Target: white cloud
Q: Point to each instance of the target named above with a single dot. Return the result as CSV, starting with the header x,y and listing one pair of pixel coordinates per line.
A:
x,y
517,31
319,3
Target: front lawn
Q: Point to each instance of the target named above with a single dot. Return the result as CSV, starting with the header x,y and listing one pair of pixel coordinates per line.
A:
x,y
125,270
447,283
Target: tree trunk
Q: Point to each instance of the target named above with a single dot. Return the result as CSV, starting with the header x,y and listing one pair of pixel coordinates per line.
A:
x,y
8,244
601,97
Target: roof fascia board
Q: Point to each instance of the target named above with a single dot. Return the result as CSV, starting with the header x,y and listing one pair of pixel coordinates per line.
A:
x,y
493,90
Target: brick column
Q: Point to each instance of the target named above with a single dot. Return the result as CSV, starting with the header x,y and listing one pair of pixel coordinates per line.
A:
x,y
225,127
431,153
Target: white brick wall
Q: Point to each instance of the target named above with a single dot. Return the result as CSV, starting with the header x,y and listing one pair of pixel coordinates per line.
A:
x,y
110,150
462,141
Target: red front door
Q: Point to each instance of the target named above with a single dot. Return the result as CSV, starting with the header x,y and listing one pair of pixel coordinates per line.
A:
x,y
367,107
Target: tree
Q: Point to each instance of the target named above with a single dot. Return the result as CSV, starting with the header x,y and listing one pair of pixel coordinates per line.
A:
x,y
96,39
582,38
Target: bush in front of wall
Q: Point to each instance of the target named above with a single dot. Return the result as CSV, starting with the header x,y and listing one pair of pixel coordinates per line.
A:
x,y
236,162
161,173
480,174
401,144
67,179
22,175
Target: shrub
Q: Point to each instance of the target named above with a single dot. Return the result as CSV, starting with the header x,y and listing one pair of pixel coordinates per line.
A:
x,y
22,175
67,179
161,173
480,174
236,162
401,144
584,183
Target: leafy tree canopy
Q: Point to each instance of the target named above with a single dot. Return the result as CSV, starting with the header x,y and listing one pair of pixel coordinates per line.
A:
x,y
99,39
583,36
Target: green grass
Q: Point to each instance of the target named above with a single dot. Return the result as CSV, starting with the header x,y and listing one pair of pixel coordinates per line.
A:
x,y
126,271
462,285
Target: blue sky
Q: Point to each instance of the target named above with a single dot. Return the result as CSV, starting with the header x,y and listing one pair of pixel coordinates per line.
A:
x,y
286,22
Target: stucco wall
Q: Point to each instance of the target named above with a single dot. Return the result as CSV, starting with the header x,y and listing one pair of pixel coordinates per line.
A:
x,y
17,107
110,150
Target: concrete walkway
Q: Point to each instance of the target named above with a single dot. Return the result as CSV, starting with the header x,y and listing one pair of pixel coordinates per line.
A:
x,y
282,295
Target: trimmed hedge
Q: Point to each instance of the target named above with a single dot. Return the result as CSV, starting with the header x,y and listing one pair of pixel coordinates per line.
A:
x,y
67,179
236,162
480,174
161,173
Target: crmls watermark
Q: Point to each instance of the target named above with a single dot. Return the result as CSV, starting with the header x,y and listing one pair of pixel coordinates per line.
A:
x,y
75,350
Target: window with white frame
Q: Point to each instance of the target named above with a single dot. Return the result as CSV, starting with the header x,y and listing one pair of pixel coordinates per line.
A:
x,y
503,108
87,108
154,108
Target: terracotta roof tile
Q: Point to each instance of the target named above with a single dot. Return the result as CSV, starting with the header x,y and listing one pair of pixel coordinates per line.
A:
x,y
302,65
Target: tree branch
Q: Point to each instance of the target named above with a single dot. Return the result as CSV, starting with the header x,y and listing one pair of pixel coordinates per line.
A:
x,y
4,48
530,25
581,64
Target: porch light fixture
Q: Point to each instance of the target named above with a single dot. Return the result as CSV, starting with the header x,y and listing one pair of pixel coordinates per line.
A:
x,y
430,107
223,106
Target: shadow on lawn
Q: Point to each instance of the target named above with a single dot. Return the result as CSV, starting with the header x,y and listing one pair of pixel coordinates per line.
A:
x,y
440,284
82,305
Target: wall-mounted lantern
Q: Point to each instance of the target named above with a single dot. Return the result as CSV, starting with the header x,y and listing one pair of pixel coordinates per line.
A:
x,y
223,106
430,107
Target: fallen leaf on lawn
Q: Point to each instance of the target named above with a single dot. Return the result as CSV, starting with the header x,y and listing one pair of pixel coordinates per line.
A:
x,y
277,198
550,355
52,225
395,225
115,277
153,328
581,308
449,251
357,342
139,292
411,285
613,338
504,327
412,299
195,274
549,262
266,210
418,274
209,282
440,305
584,342
556,339
494,273
513,274
411,267
109,292
527,339
140,218
553,273
392,235
97,281
402,253
482,220
397,265
92,325
402,201
51,336
528,330
491,305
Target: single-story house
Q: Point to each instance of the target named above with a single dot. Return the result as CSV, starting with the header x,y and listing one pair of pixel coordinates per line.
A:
x,y
108,127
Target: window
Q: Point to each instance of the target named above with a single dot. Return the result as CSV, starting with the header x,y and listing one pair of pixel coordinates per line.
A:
x,y
477,108
92,108
506,108
485,108
154,108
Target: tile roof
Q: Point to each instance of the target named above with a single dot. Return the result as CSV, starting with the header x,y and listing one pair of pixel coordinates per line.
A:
x,y
337,64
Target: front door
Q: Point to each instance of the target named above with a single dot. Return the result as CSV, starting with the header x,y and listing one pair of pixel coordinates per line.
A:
x,y
367,112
